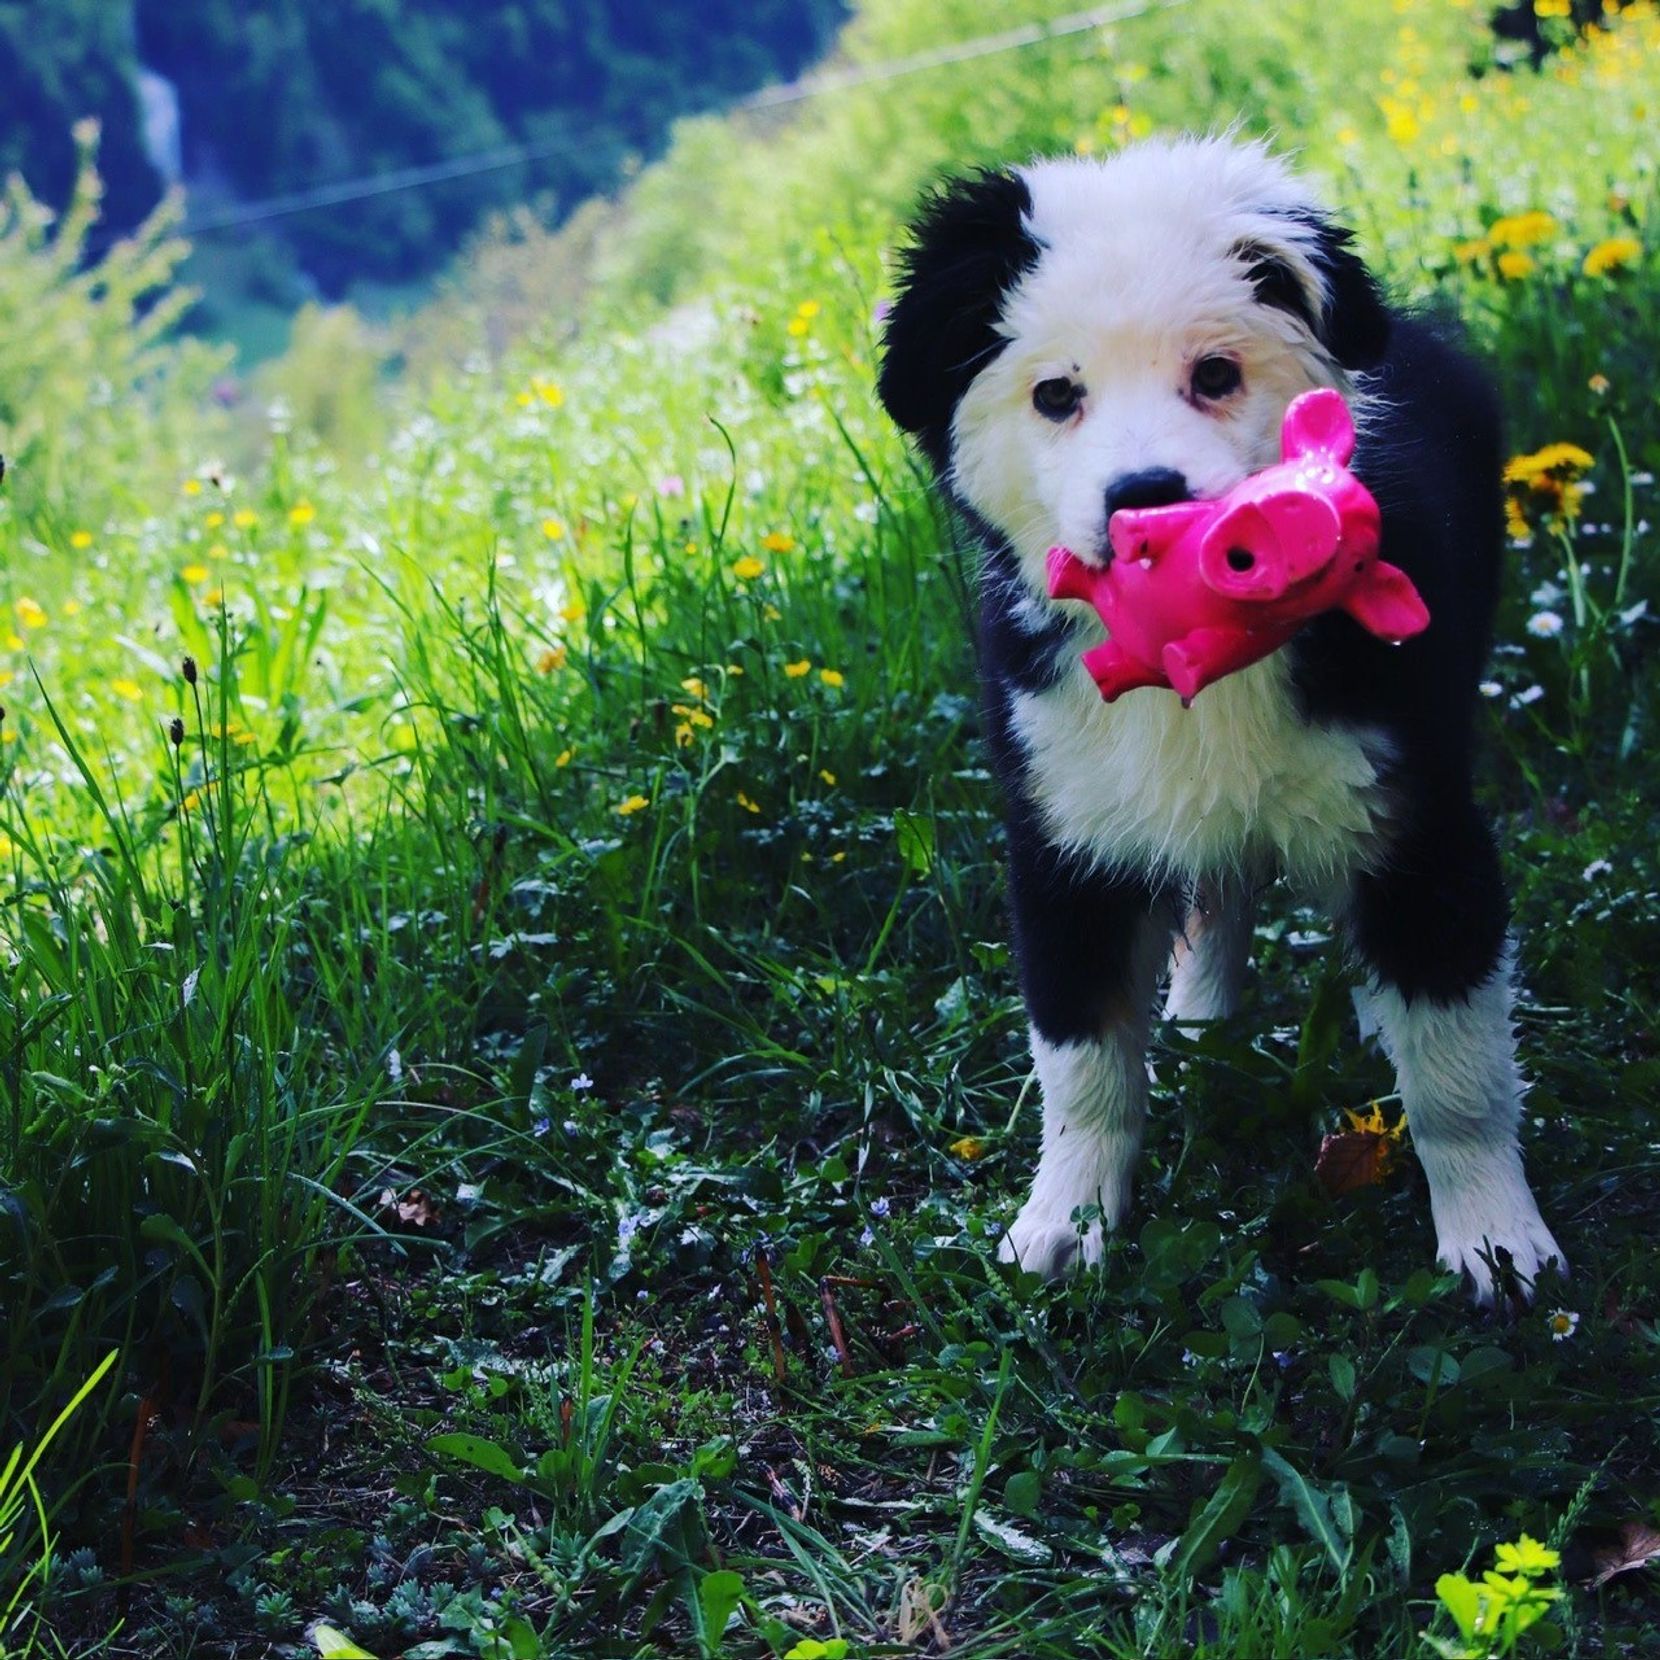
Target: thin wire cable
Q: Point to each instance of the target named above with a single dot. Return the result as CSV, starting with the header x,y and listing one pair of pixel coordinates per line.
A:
x,y
772,97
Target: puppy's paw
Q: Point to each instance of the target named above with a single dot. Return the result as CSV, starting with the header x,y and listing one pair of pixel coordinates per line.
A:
x,y
1515,1241
1049,1244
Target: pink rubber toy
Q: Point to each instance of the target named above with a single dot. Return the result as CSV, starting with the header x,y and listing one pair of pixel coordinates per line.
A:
x,y
1202,588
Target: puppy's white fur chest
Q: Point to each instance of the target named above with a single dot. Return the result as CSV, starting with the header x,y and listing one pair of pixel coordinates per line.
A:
x,y
1237,782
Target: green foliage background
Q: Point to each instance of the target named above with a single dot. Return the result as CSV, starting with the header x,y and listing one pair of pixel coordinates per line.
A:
x,y
578,816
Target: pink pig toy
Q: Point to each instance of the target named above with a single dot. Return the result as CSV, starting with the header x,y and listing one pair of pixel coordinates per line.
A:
x,y
1202,588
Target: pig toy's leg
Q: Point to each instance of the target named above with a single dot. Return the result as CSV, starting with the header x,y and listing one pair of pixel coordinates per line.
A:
x,y
1206,654
1207,968
1090,948
1115,672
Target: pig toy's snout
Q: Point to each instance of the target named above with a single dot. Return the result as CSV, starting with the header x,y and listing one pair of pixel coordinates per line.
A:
x,y
1262,549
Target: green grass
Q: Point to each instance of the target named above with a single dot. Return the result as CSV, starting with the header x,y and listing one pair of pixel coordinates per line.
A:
x,y
467,1169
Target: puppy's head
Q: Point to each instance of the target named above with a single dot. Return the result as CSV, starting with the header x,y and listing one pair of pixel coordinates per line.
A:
x,y
1078,336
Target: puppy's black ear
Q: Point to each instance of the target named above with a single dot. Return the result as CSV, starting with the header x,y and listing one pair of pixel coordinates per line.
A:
x,y
1345,312
969,245
1355,324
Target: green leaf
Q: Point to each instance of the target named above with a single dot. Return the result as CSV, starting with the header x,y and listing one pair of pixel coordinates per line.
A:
x,y
1342,1371
1327,1516
1022,1491
1463,1601
332,1645
718,1596
475,1450
1219,1518
915,835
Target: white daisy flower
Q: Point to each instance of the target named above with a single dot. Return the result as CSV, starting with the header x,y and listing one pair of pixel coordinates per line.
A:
x,y
1545,625
1563,1324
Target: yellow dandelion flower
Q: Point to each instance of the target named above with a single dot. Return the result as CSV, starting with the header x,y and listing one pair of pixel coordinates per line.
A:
x,y
29,613
129,689
192,801
563,758
808,308
550,394
798,326
798,670
14,641
1515,520
1521,230
1514,264
1474,249
1527,1555
1612,255
553,529
80,539
1347,136
828,776
1399,120
969,1148
832,677
192,487
1599,384
214,597
244,518
5,678
632,804
747,805
573,610
301,514
748,568
72,608
195,573
7,845
1553,458
214,519
778,541
554,658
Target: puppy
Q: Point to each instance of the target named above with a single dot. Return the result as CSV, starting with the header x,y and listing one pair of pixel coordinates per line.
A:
x,y
1079,336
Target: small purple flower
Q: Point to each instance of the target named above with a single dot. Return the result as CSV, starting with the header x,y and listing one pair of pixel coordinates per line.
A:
x,y
582,1082
878,1207
541,1126
672,484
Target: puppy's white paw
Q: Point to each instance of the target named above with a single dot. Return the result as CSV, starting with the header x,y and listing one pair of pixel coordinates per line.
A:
x,y
1481,1224
1040,1242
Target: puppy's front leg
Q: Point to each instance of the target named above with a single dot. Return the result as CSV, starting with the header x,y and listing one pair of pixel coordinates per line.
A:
x,y
1431,925
1090,951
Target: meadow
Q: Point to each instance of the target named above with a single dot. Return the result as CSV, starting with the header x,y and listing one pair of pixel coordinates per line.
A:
x,y
506,1029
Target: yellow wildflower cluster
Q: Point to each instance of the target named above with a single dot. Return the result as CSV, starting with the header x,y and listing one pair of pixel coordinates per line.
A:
x,y
540,391
802,323
1612,255
1544,485
748,568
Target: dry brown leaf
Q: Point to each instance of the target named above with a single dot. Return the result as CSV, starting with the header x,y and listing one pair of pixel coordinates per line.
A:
x,y
1353,1159
1639,1545
415,1207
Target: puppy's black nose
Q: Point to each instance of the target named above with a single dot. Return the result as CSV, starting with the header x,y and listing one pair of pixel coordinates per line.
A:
x,y
1151,487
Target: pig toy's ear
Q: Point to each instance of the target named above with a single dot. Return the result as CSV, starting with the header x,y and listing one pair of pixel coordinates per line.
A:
x,y
1318,423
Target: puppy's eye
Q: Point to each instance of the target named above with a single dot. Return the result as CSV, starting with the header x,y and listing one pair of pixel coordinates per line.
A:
x,y
1058,398
1216,377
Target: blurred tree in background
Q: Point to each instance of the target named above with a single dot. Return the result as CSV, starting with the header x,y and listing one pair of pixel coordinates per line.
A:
x,y
292,94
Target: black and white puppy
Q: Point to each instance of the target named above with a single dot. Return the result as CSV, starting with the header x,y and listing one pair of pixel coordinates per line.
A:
x,y
1079,336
